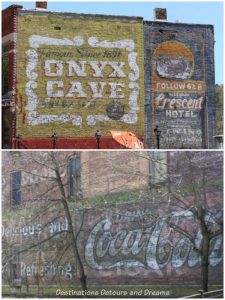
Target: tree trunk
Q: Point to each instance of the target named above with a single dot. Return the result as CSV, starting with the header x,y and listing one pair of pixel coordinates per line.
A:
x,y
205,263
83,277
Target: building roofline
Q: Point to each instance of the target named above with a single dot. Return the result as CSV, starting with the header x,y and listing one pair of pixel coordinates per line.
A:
x,y
40,11
12,6
177,24
79,15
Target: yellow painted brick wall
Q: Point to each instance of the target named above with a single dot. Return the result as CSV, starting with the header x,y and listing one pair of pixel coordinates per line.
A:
x,y
66,27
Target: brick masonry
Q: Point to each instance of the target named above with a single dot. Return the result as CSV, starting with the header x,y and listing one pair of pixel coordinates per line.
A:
x,y
101,172
109,78
9,30
106,239
118,246
179,71
87,79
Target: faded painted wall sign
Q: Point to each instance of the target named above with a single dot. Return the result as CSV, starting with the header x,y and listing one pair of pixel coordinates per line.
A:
x,y
173,60
74,81
178,101
49,269
134,240
105,240
179,115
15,231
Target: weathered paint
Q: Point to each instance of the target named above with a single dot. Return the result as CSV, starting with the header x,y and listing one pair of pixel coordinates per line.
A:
x,y
117,241
49,271
181,55
75,82
120,244
104,240
177,101
123,243
179,90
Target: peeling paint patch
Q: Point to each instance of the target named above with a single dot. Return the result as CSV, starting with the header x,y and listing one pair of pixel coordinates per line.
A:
x,y
174,67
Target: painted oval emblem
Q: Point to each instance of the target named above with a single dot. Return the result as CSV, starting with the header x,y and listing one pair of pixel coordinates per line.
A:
x,y
173,60
174,67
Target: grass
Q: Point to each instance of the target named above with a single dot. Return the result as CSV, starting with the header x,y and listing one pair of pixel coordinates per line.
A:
x,y
186,190
147,194
115,198
139,291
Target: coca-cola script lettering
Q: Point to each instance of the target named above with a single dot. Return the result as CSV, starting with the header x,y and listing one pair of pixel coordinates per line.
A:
x,y
154,245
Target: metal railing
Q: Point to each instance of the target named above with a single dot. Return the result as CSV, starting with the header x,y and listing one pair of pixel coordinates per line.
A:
x,y
202,294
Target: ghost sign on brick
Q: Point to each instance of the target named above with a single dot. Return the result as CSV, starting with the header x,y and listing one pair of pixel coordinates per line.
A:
x,y
74,82
126,240
178,101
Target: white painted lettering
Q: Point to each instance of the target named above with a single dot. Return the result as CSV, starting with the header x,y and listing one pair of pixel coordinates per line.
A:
x,y
98,67
116,89
76,88
58,68
74,67
117,66
51,89
97,89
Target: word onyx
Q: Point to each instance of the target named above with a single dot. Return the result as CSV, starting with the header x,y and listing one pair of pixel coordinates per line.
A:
x,y
56,67
70,68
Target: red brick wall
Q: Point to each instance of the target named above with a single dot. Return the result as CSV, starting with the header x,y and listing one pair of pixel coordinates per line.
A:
x,y
8,17
9,27
66,143
107,239
97,170
9,21
125,245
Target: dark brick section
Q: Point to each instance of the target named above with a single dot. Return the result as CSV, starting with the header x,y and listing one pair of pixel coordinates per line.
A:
x,y
199,39
8,74
8,14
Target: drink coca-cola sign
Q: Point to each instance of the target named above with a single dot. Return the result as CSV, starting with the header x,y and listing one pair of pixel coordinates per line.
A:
x,y
136,238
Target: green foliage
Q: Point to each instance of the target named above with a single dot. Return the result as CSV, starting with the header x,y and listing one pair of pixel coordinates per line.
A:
x,y
187,189
174,291
219,107
115,198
